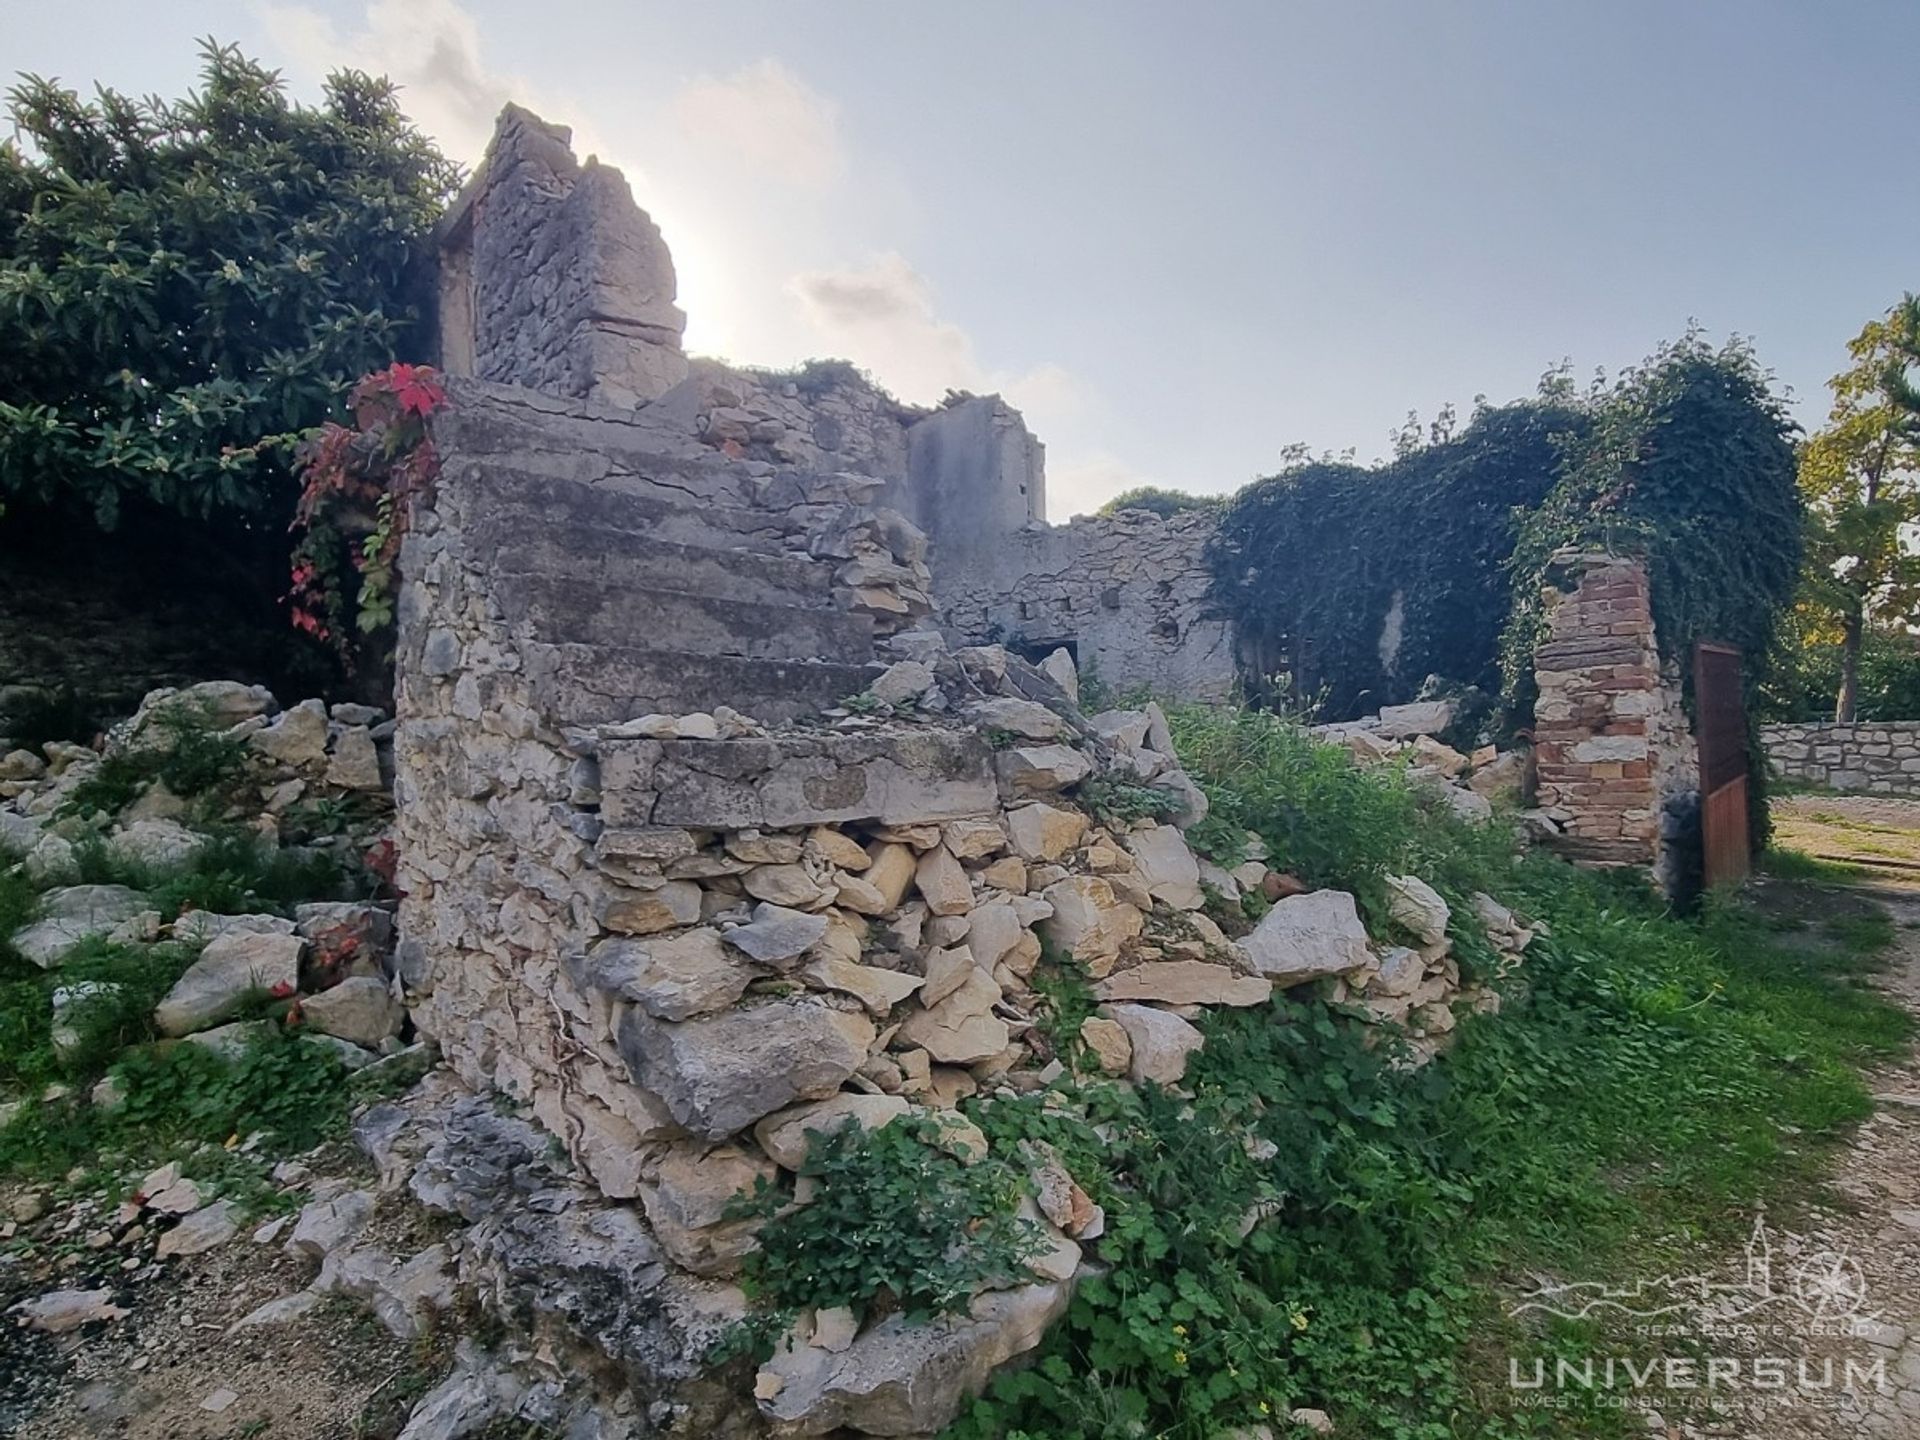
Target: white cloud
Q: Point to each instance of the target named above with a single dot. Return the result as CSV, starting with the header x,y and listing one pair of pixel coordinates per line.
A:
x,y
765,119
1087,483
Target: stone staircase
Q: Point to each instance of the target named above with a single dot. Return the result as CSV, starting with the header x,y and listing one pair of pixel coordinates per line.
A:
x,y
640,572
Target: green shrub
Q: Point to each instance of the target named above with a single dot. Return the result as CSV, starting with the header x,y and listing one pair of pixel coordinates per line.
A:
x,y
190,754
233,872
896,1224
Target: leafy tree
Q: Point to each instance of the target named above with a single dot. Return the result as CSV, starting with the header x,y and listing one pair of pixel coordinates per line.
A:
x,y
1860,478
186,285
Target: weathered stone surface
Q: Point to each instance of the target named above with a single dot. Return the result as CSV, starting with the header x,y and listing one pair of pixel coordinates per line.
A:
x,y
628,911
1041,769
1160,1042
943,883
1167,865
1107,1039
197,927
904,1379
902,683
1417,907
778,936
201,1231
60,1311
686,1201
297,737
719,1074
156,842
786,885
670,977
786,1136
360,1009
232,967
332,1224
1089,922
355,762
974,839
890,870
1425,717
1400,973
835,848
962,1028
1044,832
1028,719
898,777
879,990
73,914
1185,982
1304,937
994,932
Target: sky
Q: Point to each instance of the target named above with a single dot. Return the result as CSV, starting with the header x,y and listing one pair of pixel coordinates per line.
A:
x,y
1179,235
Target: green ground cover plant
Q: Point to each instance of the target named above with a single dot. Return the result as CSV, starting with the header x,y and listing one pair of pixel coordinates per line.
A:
x,y
1313,1224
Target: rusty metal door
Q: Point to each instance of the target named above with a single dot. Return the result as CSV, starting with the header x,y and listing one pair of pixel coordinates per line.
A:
x,y
1721,721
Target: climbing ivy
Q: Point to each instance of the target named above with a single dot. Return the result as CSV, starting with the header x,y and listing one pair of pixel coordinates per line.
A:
x,y
1321,565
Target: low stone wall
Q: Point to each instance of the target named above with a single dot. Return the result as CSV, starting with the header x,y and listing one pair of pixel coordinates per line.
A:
x,y
1879,757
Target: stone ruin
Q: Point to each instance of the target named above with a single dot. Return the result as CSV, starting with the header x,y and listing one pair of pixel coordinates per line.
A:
x,y
714,830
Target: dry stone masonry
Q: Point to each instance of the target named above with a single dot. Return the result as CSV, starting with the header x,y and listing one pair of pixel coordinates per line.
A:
x,y
1877,757
709,838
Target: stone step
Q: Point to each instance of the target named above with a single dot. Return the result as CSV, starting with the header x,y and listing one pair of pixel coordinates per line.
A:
x,y
573,551
508,504
562,610
598,685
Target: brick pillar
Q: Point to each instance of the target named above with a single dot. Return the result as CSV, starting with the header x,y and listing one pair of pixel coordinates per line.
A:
x,y
1609,735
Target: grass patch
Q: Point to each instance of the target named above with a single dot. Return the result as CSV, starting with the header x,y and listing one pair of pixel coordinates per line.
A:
x,y
1785,863
233,873
1622,1117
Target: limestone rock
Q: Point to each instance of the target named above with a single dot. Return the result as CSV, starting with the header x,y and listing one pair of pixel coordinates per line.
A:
x,y
670,977
1466,805
59,1311
201,1231
1028,719
1304,937
1126,729
232,967
755,848
1107,1039
879,990
296,738
785,1136
627,911
1403,722
687,1199
903,682
890,870
355,762
156,842
906,1379
1185,982
962,1028
360,1009
1400,973
778,936
197,927
1171,872
73,914
788,885
721,1073
943,883
1059,668
1044,832
1190,802
1041,769
860,895
1160,1040
1417,907
1088,921
973,839
836,849
332,1224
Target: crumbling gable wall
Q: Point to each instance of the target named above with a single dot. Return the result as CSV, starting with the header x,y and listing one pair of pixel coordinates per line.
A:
x,y
552,277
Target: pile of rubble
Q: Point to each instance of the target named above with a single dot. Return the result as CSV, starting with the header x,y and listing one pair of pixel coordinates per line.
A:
x,y
788,930
1469,783
327,963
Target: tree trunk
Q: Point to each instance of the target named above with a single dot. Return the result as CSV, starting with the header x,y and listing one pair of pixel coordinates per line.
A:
x,y
1849,698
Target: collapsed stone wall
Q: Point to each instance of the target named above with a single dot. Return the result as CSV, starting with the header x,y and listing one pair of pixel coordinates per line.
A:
x,y
1878,757
1128,595
1612,743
